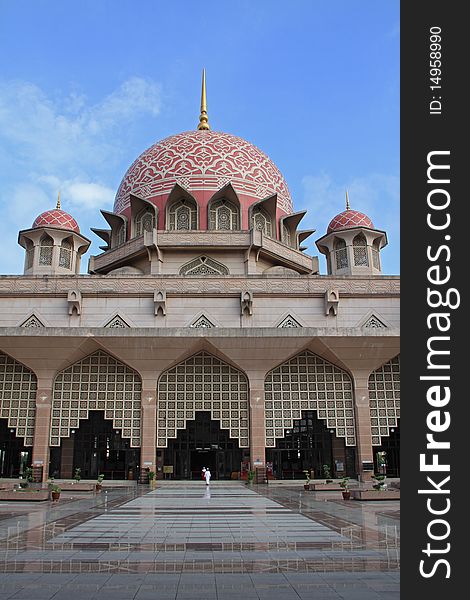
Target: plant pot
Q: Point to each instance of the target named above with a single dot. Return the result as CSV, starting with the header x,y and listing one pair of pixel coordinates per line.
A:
x,y
98,487
307,487
55,496
346,495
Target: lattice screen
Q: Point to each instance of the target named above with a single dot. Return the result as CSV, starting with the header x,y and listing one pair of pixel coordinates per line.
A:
x,y
307,382
384,399
18,397
202,383
98,382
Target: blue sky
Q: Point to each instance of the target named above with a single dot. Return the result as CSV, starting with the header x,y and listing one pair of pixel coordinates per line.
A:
x,y
86,86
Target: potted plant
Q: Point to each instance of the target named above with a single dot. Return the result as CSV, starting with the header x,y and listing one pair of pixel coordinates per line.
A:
x,y
250,477
55,491
327,473
344,483
152,480
27,477
379,484
77,475
99,483
307,480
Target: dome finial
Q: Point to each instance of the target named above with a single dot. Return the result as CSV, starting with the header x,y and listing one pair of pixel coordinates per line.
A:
x,y
347,201
203,118
58,201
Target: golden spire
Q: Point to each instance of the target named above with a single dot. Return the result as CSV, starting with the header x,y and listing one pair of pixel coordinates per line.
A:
x,y
58,200
203,118
347,201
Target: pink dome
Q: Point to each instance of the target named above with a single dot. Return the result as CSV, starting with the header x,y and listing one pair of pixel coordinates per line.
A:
x,y
349,219
203,160
56,218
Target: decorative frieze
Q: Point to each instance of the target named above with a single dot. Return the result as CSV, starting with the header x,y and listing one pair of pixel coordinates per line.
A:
x,y
231,284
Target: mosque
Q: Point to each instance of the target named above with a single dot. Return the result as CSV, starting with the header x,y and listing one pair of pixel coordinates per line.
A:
x,y
202,334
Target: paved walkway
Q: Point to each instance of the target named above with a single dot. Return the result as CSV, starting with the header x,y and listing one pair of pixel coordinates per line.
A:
x,y
186,541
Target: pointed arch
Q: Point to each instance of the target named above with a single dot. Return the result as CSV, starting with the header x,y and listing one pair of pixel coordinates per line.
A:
x,y
341,253
204,265
18,386
32,321
223,210
117,322
144,221
361,258
261,221
376,253
97,382
46,246
289,321
308,382
202,382
65,253
182,210
202,322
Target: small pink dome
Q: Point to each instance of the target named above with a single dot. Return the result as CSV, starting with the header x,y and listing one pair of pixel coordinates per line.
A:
x,y
56,218
349,219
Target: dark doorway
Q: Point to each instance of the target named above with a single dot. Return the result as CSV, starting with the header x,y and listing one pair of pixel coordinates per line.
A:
x,y
14,456
96,448
203,444
391,446
308,446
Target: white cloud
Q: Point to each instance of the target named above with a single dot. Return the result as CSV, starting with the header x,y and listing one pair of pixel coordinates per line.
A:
x,y
377,195
66,143
69,132
76,193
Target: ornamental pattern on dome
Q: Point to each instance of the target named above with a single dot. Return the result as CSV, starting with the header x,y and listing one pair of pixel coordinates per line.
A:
x,y
56,218
348,219
199,160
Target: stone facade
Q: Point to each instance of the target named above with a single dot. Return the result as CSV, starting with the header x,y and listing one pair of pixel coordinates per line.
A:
x,y
202,334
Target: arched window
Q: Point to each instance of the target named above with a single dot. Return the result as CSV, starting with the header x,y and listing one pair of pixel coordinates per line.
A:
x,y
120,235
182,215
29,254
45,251
145,221
360,251
261,221
223,214
341,254
376,254
286,236
65,254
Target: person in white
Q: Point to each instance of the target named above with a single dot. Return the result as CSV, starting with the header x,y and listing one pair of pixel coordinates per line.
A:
x,y
207,476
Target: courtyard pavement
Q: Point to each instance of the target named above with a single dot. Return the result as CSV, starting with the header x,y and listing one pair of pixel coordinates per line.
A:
x,y
185,541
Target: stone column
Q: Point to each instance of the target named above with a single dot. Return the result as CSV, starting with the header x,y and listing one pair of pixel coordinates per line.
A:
x,y
363,426
42,430
257,422
149,432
